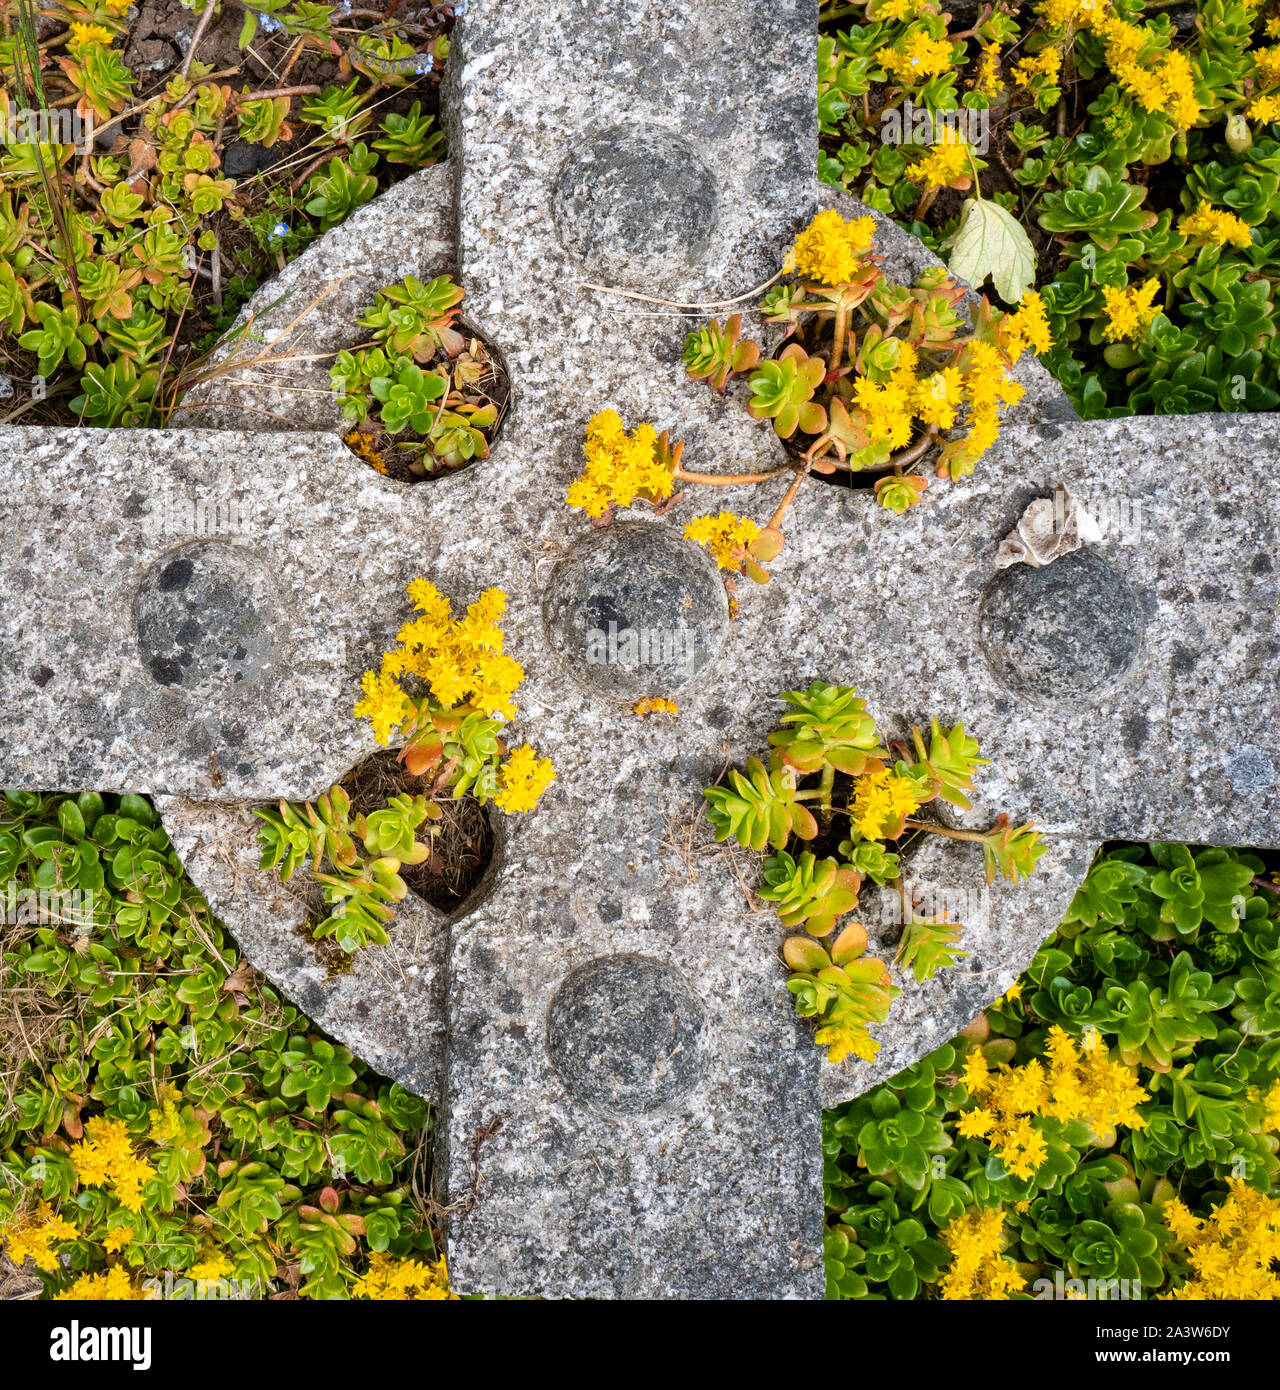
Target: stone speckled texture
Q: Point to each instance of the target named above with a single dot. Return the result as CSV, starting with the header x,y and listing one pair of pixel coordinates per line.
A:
x,y
629,1106
110,678
308,312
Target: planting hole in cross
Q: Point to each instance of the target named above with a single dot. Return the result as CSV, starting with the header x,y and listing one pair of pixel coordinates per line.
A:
x,y
466,842
625,1034
455,431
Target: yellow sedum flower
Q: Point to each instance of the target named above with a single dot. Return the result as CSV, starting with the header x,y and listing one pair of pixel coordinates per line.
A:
x,y
830,250
945,162
525,776
1208,223
392,1280
619,467
988,80
1234,1250
105,1157
916,58
35,1238
112,1286
978,1269
86,35
655,705
726,536
881,801
1129,311
213,1267
1044,67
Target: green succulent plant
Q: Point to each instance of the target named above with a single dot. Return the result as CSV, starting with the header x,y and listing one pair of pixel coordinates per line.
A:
x,y
782,390
810,892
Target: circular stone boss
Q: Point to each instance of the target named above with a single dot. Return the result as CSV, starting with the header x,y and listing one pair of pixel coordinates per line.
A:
x,y
635,611
624,1033
1061,631
203,618
637,204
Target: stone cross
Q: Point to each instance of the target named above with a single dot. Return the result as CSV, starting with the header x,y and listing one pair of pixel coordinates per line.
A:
x,y
627,1106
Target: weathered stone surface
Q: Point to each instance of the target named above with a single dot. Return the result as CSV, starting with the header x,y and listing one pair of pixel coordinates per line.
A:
x,y
387,1005
306,314
629,1107
188,612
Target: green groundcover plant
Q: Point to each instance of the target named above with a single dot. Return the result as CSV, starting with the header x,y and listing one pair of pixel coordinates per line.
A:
x,y
1128,146
1108,1128
139,212
168,1125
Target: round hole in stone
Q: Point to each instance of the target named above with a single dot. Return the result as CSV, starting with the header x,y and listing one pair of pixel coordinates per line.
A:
x,y
637,204
635,610
625,1034
466,845
386,454
1061,631
205,618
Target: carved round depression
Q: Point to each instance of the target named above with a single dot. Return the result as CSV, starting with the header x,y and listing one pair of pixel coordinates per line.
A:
x,y
1062,630
625,1034
635,611
637,204
204,618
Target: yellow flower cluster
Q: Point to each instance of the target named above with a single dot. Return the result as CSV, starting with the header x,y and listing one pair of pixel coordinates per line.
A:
x,y
1232,1251
844,1039
111,1286
1271,1104
895,11
1265,108
1080,1083
987,383
830,250
916,57
212,1268
1044,67
655,705
525,776
726,536
1078,13
1268,62
881,800
988,80
35,1238
944,163
1208,223
461,661
105,1158
978,1269
86,35
1028,327
620,467
1165,82
1129,310
392,1280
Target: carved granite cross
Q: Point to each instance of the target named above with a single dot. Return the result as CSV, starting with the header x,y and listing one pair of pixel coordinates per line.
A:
x,y
627,1106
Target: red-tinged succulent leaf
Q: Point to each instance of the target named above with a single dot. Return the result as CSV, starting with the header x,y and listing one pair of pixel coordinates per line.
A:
x,y
803,823
803,953
768,544
419,758
850,944
755,571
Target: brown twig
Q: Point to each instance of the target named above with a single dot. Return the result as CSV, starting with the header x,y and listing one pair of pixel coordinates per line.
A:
x,y
210,6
